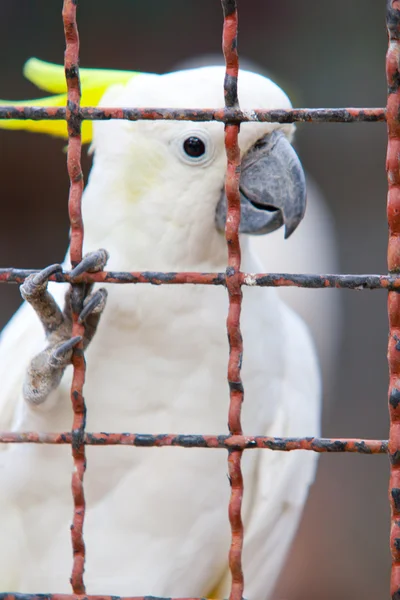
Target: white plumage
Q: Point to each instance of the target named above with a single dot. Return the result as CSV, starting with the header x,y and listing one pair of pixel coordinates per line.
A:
x,y
157,518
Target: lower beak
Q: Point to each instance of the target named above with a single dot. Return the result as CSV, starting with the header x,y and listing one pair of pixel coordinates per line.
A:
x,y
272,188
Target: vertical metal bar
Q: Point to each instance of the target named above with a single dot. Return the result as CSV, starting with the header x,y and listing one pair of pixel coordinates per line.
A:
x,y
393,211
71,62
235,295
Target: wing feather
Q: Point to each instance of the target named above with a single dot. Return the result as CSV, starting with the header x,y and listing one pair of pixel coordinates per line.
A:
x,y
283,478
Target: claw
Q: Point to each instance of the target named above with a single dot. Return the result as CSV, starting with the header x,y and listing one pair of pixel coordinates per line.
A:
x,y
36,283
60,356
91,263
45,274
95,304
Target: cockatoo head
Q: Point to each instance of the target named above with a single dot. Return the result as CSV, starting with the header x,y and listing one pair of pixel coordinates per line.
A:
x,y
177,169
161,183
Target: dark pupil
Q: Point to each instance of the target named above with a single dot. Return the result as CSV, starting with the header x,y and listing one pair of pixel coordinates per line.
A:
x,y
194,147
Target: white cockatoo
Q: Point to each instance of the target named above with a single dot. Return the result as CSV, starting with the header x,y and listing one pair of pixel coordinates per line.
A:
x,y
156,519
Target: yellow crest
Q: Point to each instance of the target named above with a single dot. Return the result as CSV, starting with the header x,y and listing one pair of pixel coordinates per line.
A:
x,y
51,78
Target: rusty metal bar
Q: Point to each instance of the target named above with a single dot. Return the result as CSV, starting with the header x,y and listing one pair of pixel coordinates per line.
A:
x,y
224,115
227,442
155,278
11,596
233,284
350,282
71,64
393,212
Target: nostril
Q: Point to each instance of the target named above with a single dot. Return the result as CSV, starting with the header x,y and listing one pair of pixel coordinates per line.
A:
x,y
266,207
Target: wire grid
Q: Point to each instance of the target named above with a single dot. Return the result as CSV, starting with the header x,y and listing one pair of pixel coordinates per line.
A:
x,y
233,279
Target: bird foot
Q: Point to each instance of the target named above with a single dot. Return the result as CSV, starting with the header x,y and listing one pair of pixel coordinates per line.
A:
x,y
47,368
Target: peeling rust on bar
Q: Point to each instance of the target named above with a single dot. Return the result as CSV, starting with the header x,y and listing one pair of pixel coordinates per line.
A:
x,y
33,113
235,116
393,213
10,596
233,284
155,278
227,442
71,61
223,115
351,282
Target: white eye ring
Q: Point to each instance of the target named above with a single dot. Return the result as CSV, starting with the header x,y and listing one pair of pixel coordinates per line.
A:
x,y
199,143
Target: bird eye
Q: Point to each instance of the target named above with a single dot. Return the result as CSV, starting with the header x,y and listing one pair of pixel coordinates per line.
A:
x,y
194,147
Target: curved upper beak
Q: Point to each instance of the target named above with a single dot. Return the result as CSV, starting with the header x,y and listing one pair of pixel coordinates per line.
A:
x,y
272,188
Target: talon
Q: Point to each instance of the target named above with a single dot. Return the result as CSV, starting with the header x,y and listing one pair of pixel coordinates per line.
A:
x,y
91,263
94,304
45,274
61,355
36,283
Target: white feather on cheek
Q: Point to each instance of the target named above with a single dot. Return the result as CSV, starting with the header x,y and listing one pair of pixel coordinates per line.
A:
x,y
144,162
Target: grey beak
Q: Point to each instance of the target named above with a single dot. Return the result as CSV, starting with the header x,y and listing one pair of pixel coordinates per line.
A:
x,y
272,188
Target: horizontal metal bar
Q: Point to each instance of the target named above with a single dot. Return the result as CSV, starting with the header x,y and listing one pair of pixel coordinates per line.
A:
x,y
230,115
227,442
352,282
14,596
156,278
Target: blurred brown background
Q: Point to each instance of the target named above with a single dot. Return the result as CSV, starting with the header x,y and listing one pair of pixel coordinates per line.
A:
x,y
323,54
